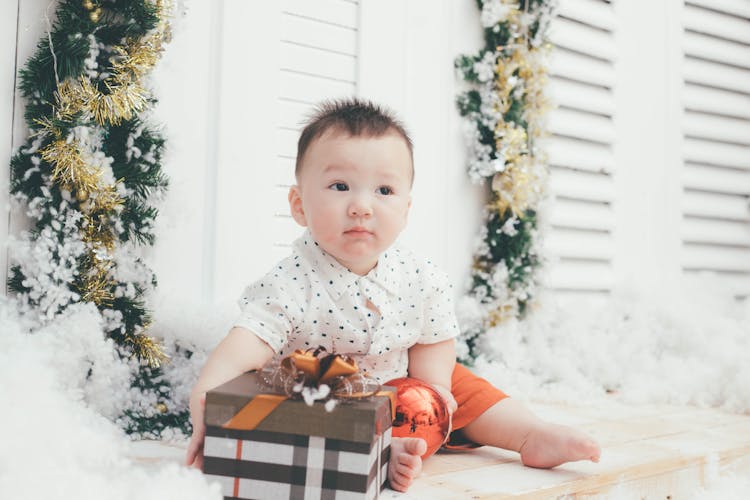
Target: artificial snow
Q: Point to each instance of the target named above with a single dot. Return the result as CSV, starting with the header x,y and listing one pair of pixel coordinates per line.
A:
x,y
690,348
58,445
64,383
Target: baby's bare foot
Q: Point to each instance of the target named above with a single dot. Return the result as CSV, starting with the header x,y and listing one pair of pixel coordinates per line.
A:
x,y
406,461
550,445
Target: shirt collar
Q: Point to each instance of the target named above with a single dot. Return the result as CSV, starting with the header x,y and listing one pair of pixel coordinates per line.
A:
x,y
339,280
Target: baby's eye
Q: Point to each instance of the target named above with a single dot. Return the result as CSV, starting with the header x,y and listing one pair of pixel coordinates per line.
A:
x,y
339,186
385,190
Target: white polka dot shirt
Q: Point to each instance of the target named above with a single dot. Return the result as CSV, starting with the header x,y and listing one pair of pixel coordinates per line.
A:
x,y
310,300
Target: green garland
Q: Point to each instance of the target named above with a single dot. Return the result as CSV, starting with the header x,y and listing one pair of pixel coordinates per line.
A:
x,y
503,108
89,176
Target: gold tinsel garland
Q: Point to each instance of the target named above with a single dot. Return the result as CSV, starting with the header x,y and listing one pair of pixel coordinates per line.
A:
x,y
125,95
70,171
518,184
147,349
100,203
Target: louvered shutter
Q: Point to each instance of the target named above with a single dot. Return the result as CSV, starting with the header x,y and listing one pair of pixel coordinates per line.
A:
x,y
716,133
318,60
579,242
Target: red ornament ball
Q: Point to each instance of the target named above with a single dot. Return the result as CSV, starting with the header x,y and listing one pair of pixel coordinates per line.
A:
x,y
420,413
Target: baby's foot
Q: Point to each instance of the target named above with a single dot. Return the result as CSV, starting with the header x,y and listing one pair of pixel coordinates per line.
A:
x,y
550,445
406,461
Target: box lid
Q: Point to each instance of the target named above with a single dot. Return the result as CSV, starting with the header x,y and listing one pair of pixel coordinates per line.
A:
x,y
351,420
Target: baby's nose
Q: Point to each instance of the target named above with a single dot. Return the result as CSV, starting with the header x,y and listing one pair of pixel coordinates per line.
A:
x,y
360,208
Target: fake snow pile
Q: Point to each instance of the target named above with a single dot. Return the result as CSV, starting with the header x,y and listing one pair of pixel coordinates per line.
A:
x,y
690,349
58,383
63,382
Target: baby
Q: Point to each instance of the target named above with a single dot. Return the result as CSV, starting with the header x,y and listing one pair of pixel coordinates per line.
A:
x,y
348,288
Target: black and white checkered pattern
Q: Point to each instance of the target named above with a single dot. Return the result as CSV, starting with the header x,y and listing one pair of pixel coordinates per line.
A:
x,y
260,464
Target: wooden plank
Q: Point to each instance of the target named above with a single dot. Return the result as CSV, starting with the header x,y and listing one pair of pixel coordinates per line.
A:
x,y
719,128
721,180
578,67
651,451
580,276
716,75
717,49
318,34
284,172
246,146
716,101
574,244
718,258
582,186
721,25
570,213
581,38
188,109
286,232
714,153
579,96
715,231
32,24
8,30
278,205
731,207
567,152
306,88
286,142
582,125
318,62
292,114
735,284
330,11
590,12
740,8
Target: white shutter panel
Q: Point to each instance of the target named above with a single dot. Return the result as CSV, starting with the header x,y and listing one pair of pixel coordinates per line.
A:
x,y
318,60
579,241
716,155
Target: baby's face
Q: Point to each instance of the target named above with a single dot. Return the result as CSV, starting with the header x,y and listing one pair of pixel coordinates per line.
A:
x,y
354,194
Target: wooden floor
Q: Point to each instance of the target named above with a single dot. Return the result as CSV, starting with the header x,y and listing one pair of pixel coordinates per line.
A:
x,y
648,452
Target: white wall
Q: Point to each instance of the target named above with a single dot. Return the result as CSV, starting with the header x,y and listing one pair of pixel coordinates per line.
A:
x,y
647,126
233,81
24,23
231,161
8,23
407,52
189,111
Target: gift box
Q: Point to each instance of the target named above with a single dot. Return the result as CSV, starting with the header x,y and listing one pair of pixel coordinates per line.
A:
x,y
265,445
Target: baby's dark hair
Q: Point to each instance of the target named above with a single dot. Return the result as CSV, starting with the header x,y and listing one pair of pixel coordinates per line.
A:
x,y
354,116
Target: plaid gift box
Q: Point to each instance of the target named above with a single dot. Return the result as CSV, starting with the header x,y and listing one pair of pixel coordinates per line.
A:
x,y
297,451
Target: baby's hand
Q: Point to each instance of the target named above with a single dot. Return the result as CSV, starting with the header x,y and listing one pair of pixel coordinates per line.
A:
x,y
195,448
450,401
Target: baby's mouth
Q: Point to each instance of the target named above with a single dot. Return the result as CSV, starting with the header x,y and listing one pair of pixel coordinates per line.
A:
x,y
358,231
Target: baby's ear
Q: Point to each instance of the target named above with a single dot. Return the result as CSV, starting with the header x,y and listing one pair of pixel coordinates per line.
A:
x,y
295,206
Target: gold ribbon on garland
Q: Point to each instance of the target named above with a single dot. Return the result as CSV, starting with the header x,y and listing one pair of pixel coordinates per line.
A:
x,y
124,98
69,169
518,184
125,95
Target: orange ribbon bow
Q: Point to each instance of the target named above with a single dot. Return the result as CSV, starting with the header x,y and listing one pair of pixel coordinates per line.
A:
x,y
308,368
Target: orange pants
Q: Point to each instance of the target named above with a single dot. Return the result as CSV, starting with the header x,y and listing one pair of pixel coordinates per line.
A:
x,y
474,396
